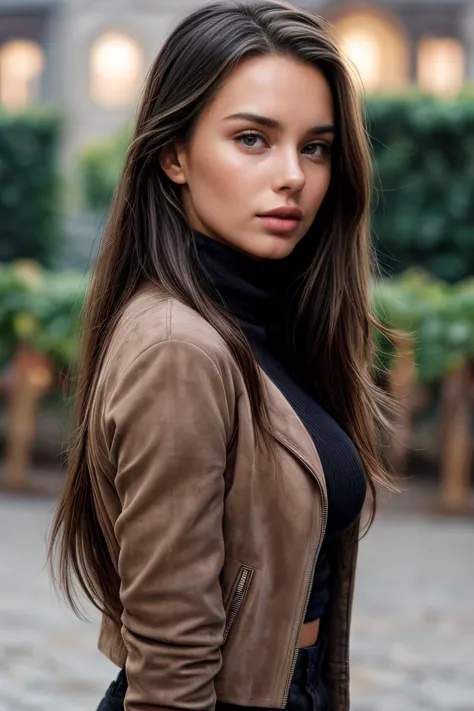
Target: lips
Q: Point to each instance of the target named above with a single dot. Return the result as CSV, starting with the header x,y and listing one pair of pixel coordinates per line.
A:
x,y
284,213
282,220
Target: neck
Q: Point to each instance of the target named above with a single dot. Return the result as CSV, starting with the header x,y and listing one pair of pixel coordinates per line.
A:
x,y
248,287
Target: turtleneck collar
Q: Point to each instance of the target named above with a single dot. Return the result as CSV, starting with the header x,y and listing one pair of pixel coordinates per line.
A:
x,y
248,287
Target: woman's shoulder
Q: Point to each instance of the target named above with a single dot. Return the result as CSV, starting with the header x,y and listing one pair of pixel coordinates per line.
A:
x,y
162,356
152,317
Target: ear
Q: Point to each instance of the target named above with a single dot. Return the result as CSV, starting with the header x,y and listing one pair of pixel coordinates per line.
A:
x,y
173,163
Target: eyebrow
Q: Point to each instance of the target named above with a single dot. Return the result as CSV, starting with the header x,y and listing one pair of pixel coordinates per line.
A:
x,y
272,123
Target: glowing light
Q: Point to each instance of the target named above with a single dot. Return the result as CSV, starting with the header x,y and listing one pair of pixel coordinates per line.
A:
x,y
363,50
117,69
21,66
377,47
441,66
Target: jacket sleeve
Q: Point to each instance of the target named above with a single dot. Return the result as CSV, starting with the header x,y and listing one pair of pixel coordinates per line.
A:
x,y
170,420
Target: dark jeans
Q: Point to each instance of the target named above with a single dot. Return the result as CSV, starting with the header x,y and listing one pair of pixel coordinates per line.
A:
x,y
307,691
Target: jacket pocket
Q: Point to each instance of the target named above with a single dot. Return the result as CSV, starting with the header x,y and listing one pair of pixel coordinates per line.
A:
x,y
237,599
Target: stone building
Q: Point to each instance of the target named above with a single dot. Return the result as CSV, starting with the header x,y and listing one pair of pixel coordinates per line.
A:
x,y
89,57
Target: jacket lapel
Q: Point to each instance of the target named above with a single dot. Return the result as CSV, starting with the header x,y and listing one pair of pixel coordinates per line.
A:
x,y
291,432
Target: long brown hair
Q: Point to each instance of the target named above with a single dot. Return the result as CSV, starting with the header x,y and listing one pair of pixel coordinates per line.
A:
x,y
147,236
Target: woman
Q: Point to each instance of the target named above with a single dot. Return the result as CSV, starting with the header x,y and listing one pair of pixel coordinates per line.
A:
x,y
227,416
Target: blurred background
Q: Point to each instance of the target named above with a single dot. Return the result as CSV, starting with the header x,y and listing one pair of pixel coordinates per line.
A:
x,y
70,74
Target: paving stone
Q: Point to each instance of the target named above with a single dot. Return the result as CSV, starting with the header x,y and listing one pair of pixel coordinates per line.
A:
x,y
413,622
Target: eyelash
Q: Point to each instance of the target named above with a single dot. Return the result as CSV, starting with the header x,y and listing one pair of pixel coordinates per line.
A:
x,y
321,144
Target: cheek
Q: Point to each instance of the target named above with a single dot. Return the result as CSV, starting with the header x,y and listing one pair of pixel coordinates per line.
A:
x,y
320,184
219,170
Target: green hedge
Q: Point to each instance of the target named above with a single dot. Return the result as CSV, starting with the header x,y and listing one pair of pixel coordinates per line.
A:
x,y
30,207
99,169
424,199
424,195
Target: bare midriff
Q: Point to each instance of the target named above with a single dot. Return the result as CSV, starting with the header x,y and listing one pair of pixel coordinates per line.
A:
x,y
309,634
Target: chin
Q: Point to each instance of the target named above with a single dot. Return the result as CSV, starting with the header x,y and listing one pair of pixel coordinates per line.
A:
x,y
274,247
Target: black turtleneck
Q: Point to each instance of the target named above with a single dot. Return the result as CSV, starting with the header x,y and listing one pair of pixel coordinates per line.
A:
x,y
249,289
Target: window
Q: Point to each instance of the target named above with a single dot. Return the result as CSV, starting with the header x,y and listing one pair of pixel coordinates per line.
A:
x,y
441,66
377,47
363,50
21,67
116,70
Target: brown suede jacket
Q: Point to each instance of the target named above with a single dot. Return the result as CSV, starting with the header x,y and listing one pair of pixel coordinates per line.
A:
x,y
215,543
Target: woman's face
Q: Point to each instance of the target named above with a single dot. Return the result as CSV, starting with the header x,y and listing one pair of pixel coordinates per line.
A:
x,y
262,144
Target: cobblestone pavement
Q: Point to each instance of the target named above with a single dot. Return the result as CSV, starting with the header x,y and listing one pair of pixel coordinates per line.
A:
x,y
413,641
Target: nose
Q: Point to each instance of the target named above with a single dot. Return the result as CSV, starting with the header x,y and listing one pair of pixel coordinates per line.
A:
x,y
289,175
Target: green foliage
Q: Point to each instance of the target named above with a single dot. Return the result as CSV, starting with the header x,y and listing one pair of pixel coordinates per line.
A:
x,y
424,201
439,317
100,164
42,309
30,206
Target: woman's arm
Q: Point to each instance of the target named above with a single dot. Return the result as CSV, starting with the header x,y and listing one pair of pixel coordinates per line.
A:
x,y
171,422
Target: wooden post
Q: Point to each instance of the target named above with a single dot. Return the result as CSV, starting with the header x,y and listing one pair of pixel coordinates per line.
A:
x,y
456,455
402,384
31,376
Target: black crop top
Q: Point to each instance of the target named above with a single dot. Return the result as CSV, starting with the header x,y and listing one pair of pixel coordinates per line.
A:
x,y
248,288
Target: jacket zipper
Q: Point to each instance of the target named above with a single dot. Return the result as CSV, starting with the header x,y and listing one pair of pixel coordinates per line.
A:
x,y
237,599
289,446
